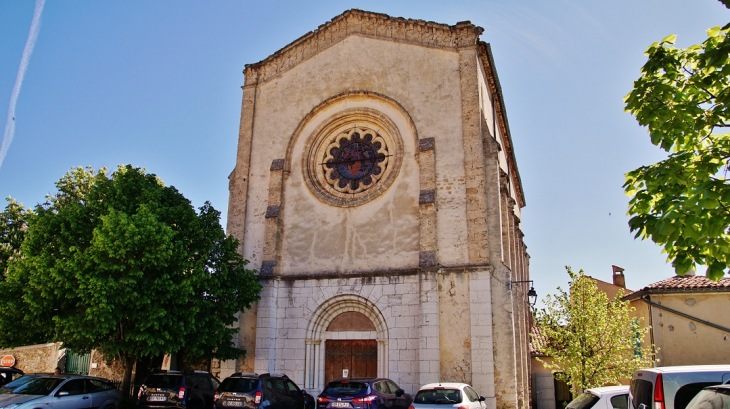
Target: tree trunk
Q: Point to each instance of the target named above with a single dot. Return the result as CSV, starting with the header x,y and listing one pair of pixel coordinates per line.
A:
x,y
127,398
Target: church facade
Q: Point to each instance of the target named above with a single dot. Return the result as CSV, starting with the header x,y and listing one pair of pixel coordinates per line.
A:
x,y
377,193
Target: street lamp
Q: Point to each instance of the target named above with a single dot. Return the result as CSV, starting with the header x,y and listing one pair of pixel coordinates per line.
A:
x,y
531,295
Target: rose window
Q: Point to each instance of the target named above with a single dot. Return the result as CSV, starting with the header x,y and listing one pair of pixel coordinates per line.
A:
x,y
355,162
353,158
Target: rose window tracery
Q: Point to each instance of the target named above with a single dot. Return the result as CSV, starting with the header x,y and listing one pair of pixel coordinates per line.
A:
x,y
356,160
353,157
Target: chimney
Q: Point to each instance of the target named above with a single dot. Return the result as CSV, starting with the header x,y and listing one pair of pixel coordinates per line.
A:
x,y
690,273
618,277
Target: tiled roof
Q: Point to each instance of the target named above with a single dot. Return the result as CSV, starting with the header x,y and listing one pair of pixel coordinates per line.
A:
x,y
684,284
537,340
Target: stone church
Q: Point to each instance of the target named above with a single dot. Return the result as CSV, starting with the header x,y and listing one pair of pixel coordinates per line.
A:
x,y
376,191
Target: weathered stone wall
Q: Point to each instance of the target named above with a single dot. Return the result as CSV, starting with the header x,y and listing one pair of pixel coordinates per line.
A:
x,y
35,358
431,256
104,367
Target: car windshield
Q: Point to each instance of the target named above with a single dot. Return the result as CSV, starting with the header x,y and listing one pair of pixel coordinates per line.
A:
x,y
163,381
438,396
238,385
20,382
346,388
39,386
711,399
583,401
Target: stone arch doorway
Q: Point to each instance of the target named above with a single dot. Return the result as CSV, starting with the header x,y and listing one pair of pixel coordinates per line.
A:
x,y
346,332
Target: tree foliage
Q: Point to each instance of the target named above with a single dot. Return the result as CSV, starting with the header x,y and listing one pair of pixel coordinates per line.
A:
x,y
13,228
123,264
683,202
593,341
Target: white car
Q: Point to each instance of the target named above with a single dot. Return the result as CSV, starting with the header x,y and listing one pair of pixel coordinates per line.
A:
x,y
447,394
606,397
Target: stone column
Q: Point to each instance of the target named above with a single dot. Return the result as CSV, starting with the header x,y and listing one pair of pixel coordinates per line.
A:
x,y
476,195
238,179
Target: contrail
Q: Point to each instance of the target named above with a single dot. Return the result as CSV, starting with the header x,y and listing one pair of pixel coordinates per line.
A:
x,y
35,26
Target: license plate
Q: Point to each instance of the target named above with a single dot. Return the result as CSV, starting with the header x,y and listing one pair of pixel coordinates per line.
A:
x,y
157,398
341,405
232,403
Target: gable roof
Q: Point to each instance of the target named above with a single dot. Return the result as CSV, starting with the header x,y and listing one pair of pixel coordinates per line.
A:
x,y
366,24
686,284
398,29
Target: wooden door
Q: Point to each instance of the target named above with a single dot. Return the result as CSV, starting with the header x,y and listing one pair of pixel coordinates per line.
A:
x,y
359,357
545,388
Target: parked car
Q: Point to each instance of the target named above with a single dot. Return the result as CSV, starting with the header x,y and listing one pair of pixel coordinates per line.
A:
x,y
371,393
606,397
672,387
712,397
63,392
447,394
175,389
271,391
9,387
8,375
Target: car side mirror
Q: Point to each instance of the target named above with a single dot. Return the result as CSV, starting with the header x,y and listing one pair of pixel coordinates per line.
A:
x,y
482,399
64,393
399,392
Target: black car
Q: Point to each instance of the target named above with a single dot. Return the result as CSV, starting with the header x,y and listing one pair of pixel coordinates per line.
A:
x,y
253,391
175,389
8,375
365,393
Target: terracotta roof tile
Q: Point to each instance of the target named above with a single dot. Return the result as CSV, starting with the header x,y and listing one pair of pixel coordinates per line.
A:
x,y
537,340
689,283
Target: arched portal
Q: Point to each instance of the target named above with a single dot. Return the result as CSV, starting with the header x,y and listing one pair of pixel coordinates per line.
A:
x,y
348,323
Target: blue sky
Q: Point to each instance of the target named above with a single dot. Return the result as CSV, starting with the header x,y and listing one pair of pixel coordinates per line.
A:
x,y
157,84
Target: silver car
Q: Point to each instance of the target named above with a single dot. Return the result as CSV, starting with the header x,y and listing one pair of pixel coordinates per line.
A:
x,y
63,392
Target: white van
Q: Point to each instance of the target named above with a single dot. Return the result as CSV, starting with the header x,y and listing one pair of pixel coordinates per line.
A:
x,y
672,387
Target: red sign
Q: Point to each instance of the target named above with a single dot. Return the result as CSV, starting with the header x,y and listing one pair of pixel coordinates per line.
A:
x,y
7,360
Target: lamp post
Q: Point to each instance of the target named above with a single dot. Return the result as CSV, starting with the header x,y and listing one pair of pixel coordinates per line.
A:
x,y
532,294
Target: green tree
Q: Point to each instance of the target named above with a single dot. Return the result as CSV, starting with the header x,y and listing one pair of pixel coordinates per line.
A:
x,y
683,202
13,227
123,264
27,327
593,341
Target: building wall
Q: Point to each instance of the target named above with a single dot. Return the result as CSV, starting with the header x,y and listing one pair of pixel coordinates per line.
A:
x,y
430,258
684,341
382,234
35,358
431,325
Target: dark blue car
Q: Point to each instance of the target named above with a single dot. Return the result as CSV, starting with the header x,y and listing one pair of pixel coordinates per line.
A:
x,y
359,393
266,391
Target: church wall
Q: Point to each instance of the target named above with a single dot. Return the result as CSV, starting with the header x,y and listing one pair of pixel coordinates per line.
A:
x,y
283,323
399,71
430,257
455,324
